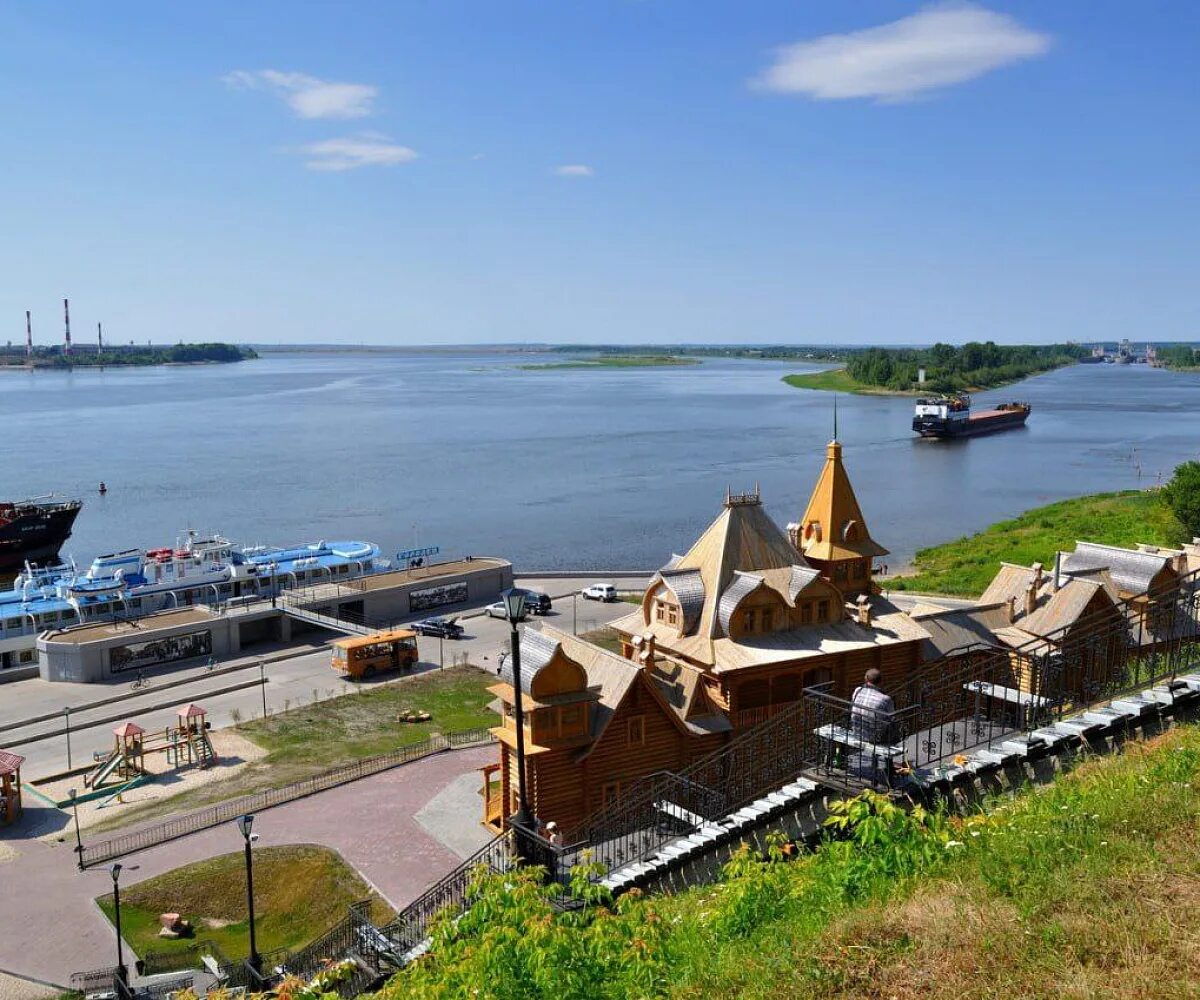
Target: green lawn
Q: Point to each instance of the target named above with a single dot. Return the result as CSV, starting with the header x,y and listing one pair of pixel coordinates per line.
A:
x,y
319,735
618,361
365,723
300,892
965,567
838,380
603,637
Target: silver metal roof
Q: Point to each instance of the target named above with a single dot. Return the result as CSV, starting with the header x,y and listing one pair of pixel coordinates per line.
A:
x,y
536,651
688,587
802,576
1132,571
739,589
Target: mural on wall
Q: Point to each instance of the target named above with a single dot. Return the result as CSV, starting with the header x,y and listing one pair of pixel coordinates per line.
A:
x,y
437,597
148,654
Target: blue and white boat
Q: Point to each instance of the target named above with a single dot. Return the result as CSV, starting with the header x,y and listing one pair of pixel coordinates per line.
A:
x,y
137,582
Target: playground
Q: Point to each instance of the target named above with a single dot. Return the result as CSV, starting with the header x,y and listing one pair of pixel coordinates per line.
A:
x,y
145,765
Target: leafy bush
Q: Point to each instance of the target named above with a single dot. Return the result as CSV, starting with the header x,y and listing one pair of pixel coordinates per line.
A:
x,y
1182,495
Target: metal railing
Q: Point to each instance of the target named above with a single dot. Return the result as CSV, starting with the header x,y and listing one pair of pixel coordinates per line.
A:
x,y
452,892
224,812
962,701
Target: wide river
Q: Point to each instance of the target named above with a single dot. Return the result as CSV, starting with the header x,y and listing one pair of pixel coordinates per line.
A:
x,y
598,469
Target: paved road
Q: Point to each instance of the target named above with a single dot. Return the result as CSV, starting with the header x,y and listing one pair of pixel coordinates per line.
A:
x,y
293,680
50,927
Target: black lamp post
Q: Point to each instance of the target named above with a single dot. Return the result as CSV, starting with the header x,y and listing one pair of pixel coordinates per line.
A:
x,y
514,608
122,972
72,794
246,824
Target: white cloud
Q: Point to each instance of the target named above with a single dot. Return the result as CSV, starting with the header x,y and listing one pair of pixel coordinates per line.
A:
x,y
368,149
574,170
307,96
935,47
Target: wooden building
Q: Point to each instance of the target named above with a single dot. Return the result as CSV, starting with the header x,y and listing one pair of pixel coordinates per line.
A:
x,y
725,636
594,722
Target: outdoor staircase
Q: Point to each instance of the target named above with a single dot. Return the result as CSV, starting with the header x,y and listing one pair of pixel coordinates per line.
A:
x,y
707,834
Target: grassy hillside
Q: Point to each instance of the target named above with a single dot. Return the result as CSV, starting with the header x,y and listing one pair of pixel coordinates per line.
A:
x,y
1089,888
299,893
839,380
965,567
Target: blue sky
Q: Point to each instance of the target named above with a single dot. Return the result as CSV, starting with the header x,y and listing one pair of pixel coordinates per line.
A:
x,y
782,172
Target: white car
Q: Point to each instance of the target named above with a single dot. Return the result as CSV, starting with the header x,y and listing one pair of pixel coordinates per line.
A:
x,y
498,610
600,592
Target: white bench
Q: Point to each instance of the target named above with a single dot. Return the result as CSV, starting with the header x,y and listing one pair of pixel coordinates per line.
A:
x,y
1023,700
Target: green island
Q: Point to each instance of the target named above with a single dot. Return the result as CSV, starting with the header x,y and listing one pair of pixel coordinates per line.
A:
x,y
968,368
1085,887
360,723
299,891
964,568
87,356
617,361
1178,357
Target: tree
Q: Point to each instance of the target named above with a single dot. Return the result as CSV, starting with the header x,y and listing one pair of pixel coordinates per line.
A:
x,y
1182,495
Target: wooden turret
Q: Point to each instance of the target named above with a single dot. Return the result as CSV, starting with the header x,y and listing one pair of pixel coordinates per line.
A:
x,y
833,533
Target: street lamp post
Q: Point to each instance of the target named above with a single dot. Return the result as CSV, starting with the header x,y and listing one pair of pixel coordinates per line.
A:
x,y
71,794
122,972
514,608
262,684
246,824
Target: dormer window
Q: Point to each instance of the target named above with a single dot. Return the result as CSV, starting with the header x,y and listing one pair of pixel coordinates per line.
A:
x,y
749,619
822,611
768,619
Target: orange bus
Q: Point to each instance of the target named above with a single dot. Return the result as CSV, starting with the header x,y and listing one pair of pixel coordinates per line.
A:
x,y
362,657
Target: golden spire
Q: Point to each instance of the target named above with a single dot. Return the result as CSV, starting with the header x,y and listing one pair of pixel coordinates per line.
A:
x,y
833,527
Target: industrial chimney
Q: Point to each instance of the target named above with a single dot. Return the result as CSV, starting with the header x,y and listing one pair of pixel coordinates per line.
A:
x,y
28,335
99,338
67,320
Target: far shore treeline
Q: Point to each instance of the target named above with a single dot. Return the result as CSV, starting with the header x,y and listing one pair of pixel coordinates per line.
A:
x,y
952,369
89,356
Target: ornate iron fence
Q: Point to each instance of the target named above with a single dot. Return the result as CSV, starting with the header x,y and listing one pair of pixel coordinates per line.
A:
x,y
224,812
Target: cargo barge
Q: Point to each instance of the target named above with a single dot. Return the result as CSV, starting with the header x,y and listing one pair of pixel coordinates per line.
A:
x,y
951,417
34,530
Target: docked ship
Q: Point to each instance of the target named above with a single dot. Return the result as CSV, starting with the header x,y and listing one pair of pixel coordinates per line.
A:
x,y
123,585
951,417
34,530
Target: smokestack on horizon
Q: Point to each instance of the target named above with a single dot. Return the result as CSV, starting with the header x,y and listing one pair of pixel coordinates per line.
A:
x,y
67,320
28,335
99,338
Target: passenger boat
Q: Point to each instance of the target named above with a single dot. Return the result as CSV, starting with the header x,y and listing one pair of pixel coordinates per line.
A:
x,y
34,530
139,582
951,417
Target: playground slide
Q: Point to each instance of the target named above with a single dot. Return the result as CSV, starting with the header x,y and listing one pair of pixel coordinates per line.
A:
x,y
103,771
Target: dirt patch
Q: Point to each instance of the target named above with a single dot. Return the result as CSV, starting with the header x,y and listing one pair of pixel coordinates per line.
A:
x,y
234,753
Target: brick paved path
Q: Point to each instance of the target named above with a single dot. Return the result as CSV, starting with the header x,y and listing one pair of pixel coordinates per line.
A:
x,y
49,926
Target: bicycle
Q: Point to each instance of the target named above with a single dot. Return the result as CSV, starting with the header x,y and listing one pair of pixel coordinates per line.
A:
x,y
141,681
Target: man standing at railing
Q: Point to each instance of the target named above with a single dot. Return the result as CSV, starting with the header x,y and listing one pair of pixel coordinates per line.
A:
x,y
871,711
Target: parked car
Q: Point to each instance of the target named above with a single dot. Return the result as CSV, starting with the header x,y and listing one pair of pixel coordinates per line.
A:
x,y
439,628
498,610
537,603
600,592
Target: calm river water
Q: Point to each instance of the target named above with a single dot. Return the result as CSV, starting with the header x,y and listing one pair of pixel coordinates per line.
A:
x,y
608,468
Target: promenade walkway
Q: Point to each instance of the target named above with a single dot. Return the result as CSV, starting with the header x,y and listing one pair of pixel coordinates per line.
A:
x,y
52,927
